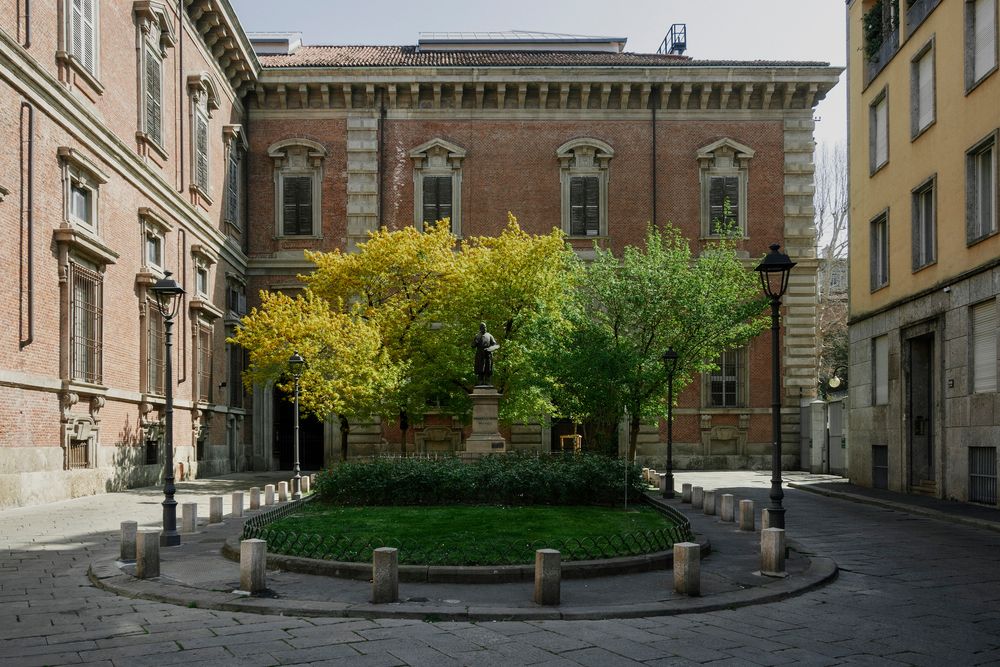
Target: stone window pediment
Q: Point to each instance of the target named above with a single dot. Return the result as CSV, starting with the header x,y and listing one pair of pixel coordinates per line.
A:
x,y
724,166
298,179
437,184
584,172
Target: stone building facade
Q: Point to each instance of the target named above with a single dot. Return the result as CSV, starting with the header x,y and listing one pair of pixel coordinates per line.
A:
x,y
924,282
149,136
515,122
124,134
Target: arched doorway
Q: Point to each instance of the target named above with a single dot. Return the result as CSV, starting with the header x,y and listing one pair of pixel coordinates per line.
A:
x,y
310,436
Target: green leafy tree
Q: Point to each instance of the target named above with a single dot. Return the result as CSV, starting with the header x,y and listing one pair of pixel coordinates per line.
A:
x,y
633,307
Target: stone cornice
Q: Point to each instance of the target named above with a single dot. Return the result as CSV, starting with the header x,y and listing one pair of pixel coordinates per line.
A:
x,y
225,40
25,75
694,88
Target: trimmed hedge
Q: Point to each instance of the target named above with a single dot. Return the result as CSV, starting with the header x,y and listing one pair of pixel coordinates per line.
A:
x,y
511,479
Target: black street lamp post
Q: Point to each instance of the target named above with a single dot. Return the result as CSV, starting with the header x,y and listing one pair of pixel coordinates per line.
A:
x,y
296,364
774,270
168,298
670,362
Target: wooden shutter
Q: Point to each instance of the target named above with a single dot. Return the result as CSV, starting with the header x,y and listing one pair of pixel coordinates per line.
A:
x,y
89,16
437,203
297,205
233,188
201,148
984,346
984,54
925,90
721,189
584,206
577,224
153,96
76,29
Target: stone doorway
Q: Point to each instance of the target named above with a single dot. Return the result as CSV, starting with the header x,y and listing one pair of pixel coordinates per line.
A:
x,y
310,436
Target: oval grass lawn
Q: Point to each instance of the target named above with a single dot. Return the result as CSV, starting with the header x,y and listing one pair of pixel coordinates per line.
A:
x,y
469,534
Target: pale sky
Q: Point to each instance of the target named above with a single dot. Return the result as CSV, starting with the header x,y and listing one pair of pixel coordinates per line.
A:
x,y
716,29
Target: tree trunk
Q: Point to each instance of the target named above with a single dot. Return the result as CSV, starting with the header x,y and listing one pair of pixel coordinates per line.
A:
x,y
345,430
404,426
633,435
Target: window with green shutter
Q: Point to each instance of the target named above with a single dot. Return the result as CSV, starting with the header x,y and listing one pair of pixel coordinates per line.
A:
x,y
201,148
297,205
723,203
584,206
154,95
437,201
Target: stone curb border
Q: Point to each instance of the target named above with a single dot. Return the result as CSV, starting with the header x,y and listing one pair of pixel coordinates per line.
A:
x,y
107,576
900,506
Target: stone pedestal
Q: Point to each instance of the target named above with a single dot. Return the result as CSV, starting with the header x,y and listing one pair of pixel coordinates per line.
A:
x,y
147,556
708,503
697,497
385,575
282,492
485,437
772,551
129,530
215,509
686,492
189,517
238,503
253,561
255,497
305,484
548,576
746,515
727,510
687,568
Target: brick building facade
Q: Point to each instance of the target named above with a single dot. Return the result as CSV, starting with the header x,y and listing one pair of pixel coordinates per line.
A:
x,y
143,140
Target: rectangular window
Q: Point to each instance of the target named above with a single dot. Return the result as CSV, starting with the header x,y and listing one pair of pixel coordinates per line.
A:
x,y
879,131
237,364
201,280
725,384
154,250
83,33
233,189
924,226
879,252
201,149
984,347
981,191
437,199
880,370
723,203
980,39
85,324
584,206
922,87
81,203
154,95
297,201
204,359
155,363
236,299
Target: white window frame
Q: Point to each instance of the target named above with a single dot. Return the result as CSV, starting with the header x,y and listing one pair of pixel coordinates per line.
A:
x,y
296,158
978,225
741,379
438,158
880,370
153,226
79,172
924,229
721,159
585,156
975,70
983,323
878,131
154,35
203,261
74,56
923,90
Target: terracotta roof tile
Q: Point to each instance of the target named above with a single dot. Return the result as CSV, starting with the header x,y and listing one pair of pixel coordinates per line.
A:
x,y
410,56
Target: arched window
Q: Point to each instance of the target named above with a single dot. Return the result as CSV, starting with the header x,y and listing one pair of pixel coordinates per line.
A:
x,y
583,174
298,175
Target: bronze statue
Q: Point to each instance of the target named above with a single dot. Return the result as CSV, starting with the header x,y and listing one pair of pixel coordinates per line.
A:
x,y
485,345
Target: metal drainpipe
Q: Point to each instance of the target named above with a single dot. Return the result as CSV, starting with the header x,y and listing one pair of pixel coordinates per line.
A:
x,y
179,96
653,161
27,215
381,155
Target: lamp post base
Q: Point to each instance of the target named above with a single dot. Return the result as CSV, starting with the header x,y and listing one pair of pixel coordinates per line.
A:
x,y
668,485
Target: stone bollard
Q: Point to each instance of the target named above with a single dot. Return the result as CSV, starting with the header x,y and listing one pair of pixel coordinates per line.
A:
x,y
255,497
385,575
765,519
697,497
269,494
662,484
687,568
746,515
305,484
685,492
215,509
726,511
645,475
772,551
548,576
237,503
282,492
127,552
147,553
253,560
709,503
189,517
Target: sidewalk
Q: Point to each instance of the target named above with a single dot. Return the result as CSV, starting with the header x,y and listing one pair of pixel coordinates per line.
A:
x,y
196,574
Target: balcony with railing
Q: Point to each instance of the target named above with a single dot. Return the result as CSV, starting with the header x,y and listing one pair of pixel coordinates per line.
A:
x,y
916,12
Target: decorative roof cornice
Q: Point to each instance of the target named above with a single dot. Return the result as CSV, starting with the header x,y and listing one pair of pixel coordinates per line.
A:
x,y
223,35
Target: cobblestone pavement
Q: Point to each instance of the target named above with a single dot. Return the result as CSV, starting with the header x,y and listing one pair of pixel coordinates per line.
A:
x,y
912,590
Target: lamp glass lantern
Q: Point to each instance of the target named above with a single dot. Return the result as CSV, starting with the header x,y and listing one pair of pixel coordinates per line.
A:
x,y
774,270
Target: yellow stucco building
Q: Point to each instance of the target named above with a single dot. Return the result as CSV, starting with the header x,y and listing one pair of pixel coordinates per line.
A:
x,y
924,113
